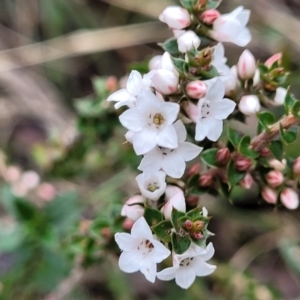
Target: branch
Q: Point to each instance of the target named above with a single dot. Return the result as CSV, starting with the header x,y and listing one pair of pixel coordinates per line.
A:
x,y
259,142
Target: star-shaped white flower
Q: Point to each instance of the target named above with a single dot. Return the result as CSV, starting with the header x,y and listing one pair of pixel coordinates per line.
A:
x,y
171,160
232,27
135,84
188,265
152,185
151,121
212,110
140,250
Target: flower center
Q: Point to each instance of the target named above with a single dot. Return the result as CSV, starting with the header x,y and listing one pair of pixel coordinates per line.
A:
x,y
205,110
152,187
158,119
145,247
186,262
165,151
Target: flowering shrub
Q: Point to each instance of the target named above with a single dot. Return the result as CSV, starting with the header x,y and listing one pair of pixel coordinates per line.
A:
x,y
180,110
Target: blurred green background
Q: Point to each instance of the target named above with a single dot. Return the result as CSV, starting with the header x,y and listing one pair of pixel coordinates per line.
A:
x,y
65,170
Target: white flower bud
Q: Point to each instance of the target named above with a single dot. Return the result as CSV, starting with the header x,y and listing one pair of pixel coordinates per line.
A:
x,y
196,89
246,65
154,62
269,195
289,198
249,105
274,178
175,17
175,198
129,136
187,41
133,207
280,95
30,179
165,81
256,78
277,164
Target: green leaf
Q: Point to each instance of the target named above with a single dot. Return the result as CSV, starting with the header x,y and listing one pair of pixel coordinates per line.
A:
x,y
265,119
198,191
263,69
25,210
277,149
171,46
287,136
233,176
176,214
99,85
152,216
180,243
234,137
194,213
296,110
188,4
244,147
193,180
212,4
211,73
180,64
209,157
88,107
289,103
163,230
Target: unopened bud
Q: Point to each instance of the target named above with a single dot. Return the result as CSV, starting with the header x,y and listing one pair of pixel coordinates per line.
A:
x,y
111,83
243,164
209,16
175,17
198,235
198,225
256,78
247,181
133,209
165,81
127,224
106,232
269,195
270,86
274,178
192,201
154,62
205,180
188,40
246,65
270,61
296,166
203,58
196,89
249,105
193,170
265,152
280,95
188,224
277,164
223,156
289,198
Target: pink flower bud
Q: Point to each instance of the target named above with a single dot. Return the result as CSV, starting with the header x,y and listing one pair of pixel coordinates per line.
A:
x,y
249,105
196,89
192,200
30,179
12,174
111,83
187,40
280,95
175,17
265,152
46,191
198,235
277,164
175,198
270,61
269,195
188,224
274,178
154,62
127,224
247,181
243,164
223,156
209,16
165,81
296,166
194,169
205,180
289,198
246,65
133,209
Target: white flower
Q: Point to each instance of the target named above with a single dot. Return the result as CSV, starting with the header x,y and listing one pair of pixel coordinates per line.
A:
x,y
171,160
246,65
188,265
152,185
219,60
133,208
289,198
280,95
154,62
135,84
212,110
186,40
175,198
151,120
140,250
232,27
231,81
249,105
176,17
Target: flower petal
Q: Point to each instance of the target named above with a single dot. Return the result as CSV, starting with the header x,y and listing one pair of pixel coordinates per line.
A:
x,y
160,252
216,91
125,241
167,274
185,276
152,161
210,252
201,130
170,111
121,95
132,119
174,165
144,141
129,262
167,137
180,130
243,38
146,101
221,109
243,17
188,150
141,229
134,83
202,268
148,268
215,128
